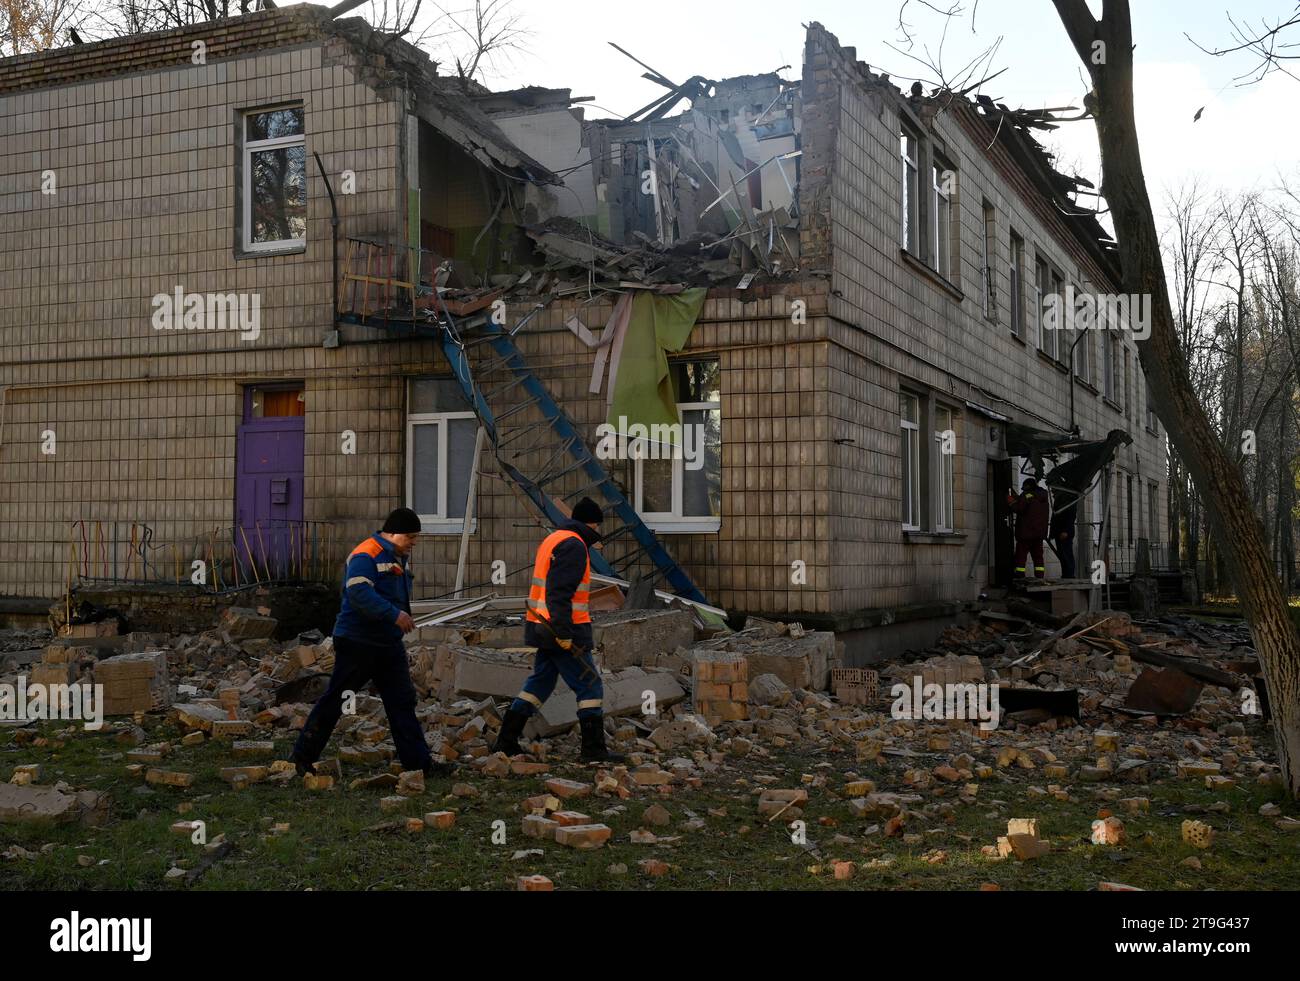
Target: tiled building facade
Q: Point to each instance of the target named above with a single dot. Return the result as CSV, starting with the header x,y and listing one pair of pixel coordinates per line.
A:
x,y
816,374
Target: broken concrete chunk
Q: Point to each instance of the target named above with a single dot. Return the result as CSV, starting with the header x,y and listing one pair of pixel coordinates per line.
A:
x,y
565,789
410,783
250,774
1197,834
582,836
134,683
199,715
1108,831
1025,847
169,778
627,638
242,623
768,689
38,805
537,826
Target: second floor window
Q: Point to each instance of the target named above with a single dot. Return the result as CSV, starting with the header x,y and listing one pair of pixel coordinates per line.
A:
x,y
1042,290
909,149
1108,364
1081,341
1017,289
275,180
1146,394
941,219
990,244
1128,401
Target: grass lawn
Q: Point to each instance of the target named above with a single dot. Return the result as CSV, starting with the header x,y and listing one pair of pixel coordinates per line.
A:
x,y
327,846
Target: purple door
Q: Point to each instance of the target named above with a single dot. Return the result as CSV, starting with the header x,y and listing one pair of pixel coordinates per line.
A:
x,y
269,484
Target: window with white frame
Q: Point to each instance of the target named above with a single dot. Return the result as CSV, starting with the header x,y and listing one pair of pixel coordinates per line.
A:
x,y
440,434
679,482
1081,340
1108,363
274,192
941,183
909,412
909,151
945,483
1128,396
1153,511
1057,336
1017,275
1042,290
990,244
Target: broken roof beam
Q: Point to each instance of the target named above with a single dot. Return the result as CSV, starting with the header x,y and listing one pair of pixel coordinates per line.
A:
x,y
692,88
339,9
651,74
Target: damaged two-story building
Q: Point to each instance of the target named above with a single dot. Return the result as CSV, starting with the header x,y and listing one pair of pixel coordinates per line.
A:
x,y
254,300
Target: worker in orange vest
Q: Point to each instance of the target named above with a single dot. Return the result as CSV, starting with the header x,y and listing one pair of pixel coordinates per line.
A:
x,y
558,624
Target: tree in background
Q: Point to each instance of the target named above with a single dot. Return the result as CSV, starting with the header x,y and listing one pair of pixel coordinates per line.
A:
x,y
474,40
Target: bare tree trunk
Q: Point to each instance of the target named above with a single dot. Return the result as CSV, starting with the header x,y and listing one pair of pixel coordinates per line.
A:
x,y
1236,527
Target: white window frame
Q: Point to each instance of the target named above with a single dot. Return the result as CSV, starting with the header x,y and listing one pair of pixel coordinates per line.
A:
x,y
1016,276
674,522
1041,285
1108,363
945,471
986,273
254,146
940,222
439,523
911,197
1057,283
1128,394
910,443
1082,366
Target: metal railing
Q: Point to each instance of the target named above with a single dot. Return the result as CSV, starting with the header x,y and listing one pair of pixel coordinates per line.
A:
x,y
1123,558
224,558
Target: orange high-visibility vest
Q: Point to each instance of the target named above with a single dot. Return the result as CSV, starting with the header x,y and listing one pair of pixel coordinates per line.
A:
x,y
537,611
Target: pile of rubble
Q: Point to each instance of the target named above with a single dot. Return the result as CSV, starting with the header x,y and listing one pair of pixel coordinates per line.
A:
x,y
687,706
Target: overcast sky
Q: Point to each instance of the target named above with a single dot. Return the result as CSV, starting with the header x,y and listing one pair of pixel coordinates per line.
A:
x,y
1246,136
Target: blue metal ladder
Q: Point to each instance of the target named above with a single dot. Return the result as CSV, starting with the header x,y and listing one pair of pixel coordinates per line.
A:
x,y
571,455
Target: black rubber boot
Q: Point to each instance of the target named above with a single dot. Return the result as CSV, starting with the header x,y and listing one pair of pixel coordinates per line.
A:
x,y
512,727
302,769
593,742
439,769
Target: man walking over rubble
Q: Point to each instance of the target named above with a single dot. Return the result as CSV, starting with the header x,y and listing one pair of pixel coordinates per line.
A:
x,y
368,646
558,624
1030,507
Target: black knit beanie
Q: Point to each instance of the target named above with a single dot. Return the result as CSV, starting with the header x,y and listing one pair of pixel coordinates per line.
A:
x,y
588,512
403,521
